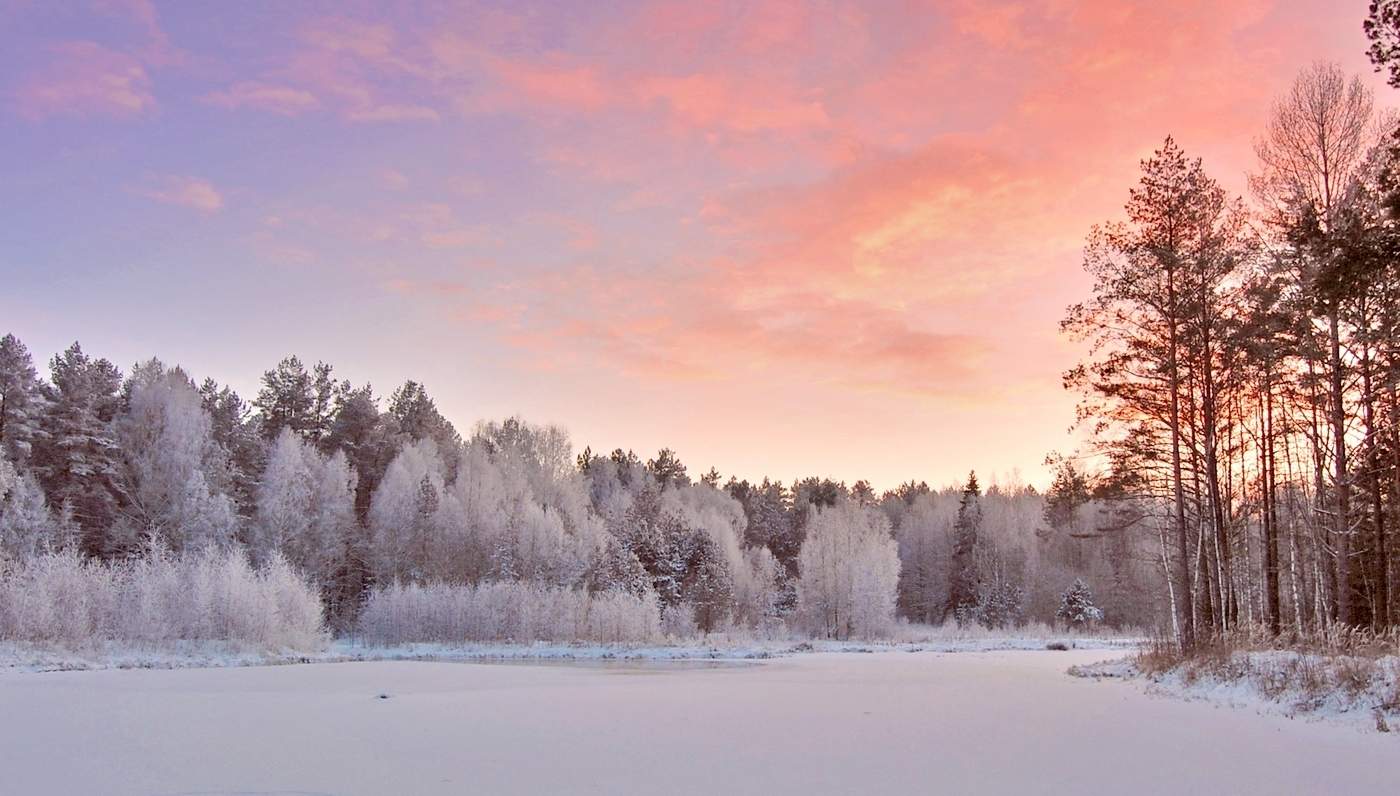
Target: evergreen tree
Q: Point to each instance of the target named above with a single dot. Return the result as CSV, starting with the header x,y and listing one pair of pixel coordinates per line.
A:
x,y
711,478
21,403
964,582
367,438
1067,493
863,493
285,399
707,584
1002,605
235,430
667,469
1077,605
76,457
418,418
618,569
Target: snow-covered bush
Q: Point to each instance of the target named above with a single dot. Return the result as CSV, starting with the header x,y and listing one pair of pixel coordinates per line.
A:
x,y
506,612
211,595
1077,605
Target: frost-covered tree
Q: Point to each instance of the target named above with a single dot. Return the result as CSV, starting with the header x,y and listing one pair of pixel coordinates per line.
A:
x,y
284,499
759,589
850,571
76,456
9,476
172,465
21,403
401,525
306,512
1077,605
28,526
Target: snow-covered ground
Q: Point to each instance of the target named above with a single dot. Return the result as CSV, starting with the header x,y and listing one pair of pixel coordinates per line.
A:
x,y
182,655
824,722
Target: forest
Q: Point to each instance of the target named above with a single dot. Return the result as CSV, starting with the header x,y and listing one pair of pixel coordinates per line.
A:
x,y
405,529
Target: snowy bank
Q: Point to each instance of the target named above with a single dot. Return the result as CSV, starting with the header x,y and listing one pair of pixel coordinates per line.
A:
x,y
1362,692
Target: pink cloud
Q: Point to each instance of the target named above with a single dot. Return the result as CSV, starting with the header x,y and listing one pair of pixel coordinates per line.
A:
x,y
709,101
574,88
85,78
392,113
286,100
184,191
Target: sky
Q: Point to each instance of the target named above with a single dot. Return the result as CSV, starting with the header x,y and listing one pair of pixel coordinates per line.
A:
x,y
782,238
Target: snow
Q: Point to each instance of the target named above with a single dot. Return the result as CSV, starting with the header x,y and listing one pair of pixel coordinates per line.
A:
x,y
1270,682
823,722
190,654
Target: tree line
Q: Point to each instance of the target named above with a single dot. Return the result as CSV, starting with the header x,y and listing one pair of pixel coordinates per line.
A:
x,y
359,494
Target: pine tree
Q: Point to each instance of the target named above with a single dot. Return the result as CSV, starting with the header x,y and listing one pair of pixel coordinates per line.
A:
x,y
667,469
76,456
285,399
418,418
235,430
707,584
1002,605
618,569
365,435
1077,605
964,582
21,403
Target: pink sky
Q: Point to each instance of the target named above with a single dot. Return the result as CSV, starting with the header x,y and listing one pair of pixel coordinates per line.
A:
x,y
782,238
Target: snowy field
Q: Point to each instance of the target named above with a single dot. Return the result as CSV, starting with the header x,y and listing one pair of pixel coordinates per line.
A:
x,y
824,722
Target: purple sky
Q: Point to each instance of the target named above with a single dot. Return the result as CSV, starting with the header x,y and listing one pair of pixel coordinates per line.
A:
x,y
782,238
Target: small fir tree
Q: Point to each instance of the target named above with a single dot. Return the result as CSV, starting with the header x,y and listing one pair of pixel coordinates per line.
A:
x,y
1077,605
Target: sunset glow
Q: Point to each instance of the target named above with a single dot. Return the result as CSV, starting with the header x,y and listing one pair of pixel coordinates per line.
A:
x,y
782,238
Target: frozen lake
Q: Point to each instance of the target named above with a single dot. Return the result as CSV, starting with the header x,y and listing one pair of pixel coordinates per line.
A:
x,y
1003,722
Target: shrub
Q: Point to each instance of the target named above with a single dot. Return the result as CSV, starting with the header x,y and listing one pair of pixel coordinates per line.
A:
x,y
506,612
65,600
